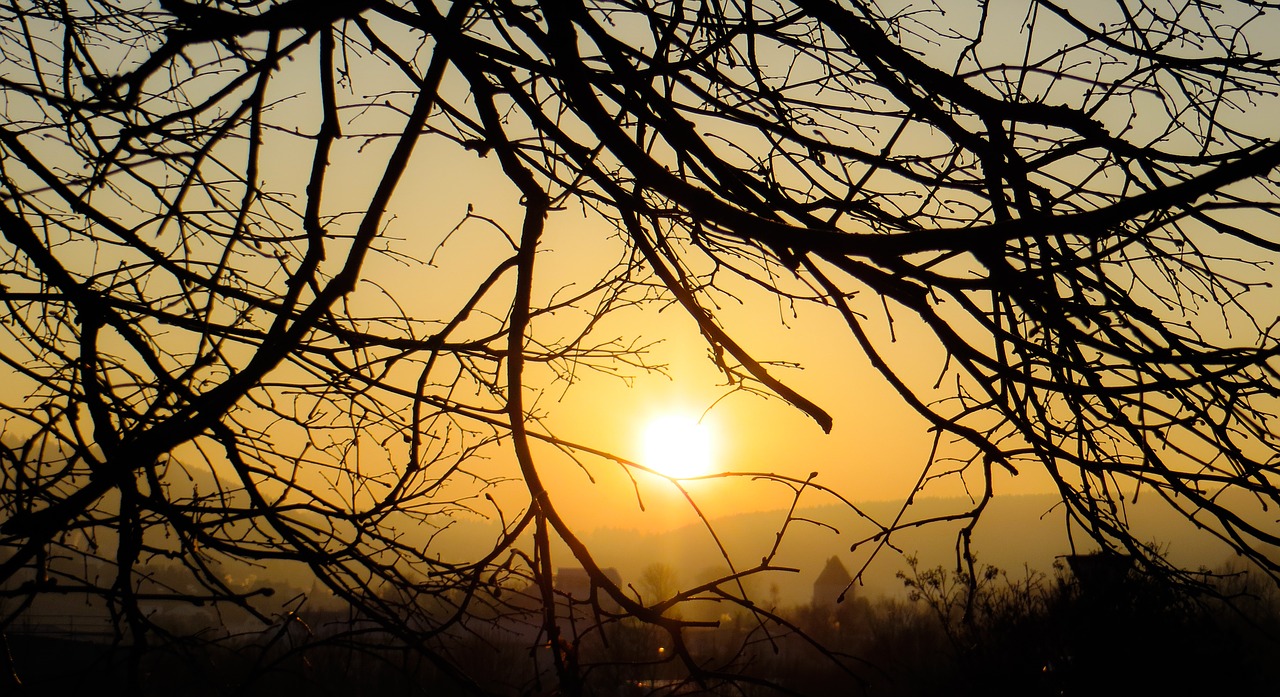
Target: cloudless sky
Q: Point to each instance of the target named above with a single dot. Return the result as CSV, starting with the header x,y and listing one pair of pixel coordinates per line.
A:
x,y
875,451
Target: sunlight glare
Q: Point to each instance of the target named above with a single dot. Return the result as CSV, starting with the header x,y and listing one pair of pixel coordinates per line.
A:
x,y
677,446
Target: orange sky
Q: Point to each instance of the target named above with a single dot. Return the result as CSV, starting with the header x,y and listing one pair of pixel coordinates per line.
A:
x,y
875,451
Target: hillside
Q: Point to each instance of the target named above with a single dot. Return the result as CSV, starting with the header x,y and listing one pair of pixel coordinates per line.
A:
x,y
1015,531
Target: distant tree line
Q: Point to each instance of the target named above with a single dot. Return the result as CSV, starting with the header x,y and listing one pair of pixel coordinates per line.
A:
x,y
1002,633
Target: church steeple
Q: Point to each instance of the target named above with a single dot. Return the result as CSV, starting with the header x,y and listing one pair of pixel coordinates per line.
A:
x,y
833,581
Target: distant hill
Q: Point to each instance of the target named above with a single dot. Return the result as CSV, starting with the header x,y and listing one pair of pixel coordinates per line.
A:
x,y
1015,532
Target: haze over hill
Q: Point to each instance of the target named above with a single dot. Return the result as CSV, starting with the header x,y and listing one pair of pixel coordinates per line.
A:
x,y
1015,531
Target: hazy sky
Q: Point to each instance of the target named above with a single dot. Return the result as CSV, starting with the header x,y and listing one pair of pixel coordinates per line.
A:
x,y
875,451
878,445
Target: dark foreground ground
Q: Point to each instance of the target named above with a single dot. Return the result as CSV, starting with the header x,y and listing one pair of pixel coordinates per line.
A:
x,y
1020,636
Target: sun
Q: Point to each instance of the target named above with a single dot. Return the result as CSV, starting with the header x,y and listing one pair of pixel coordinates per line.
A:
x,y
677,445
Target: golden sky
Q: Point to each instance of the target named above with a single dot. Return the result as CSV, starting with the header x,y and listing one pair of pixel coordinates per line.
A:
x,y
875,451
877,448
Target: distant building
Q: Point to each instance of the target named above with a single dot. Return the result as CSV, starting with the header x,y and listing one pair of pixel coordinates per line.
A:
x,y
831,583
1100,573
575,583
520,612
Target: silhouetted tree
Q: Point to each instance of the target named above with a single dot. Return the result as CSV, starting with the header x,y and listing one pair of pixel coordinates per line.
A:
x,y
225,338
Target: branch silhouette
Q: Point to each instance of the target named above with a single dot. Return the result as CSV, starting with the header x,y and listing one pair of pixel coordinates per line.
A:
x,y
240,334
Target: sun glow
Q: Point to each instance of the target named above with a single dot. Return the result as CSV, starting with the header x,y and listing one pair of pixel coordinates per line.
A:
x,y
677,446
